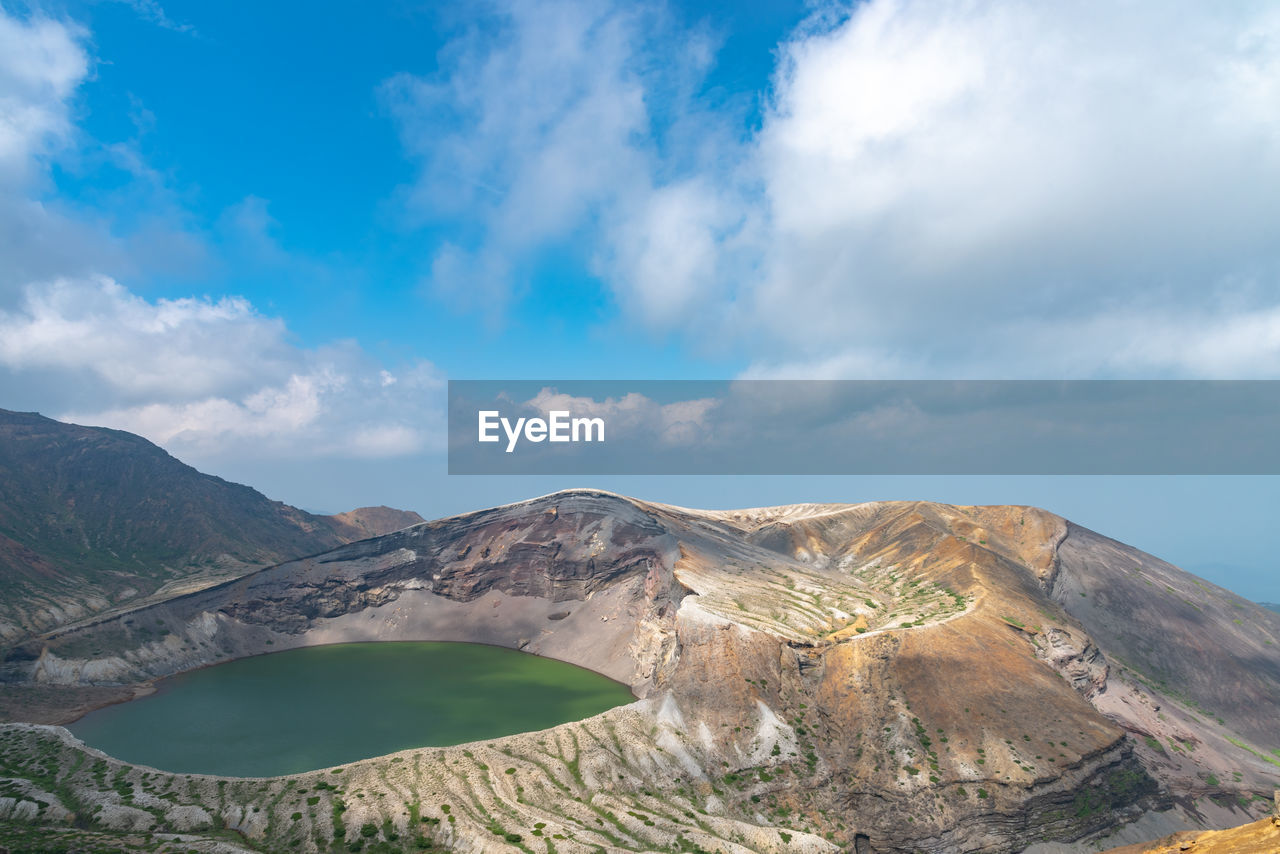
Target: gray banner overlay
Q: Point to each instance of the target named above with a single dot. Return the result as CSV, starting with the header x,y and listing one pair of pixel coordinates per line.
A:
x,y
864,427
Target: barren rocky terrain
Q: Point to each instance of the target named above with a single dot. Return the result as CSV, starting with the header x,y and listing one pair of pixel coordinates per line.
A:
x,y
1257,837
882,677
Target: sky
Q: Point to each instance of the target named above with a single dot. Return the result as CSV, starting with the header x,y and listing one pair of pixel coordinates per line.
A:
x,y
265,236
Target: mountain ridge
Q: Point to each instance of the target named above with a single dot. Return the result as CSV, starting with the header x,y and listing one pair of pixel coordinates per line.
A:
x,y
898,676
91,518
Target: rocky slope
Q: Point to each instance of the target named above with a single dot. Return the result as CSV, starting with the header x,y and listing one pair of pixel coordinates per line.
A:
x,y
883,677
91,518
365,522
1258,837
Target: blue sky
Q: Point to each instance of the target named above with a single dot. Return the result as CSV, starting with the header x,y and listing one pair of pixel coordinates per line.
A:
x,y
271,139
264,235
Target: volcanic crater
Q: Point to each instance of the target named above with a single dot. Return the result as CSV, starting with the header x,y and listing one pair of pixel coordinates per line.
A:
x,y
876,677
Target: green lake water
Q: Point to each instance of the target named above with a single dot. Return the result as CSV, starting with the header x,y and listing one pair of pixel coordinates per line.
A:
x,y
327,705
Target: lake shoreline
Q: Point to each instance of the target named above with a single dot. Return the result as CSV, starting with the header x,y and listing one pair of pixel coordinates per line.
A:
x,y
318,706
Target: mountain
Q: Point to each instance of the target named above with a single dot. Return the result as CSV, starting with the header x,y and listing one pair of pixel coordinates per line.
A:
x,y
879,677
365,522
91,518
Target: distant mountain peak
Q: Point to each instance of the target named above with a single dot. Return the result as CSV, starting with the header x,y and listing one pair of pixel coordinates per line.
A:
x,y
376,521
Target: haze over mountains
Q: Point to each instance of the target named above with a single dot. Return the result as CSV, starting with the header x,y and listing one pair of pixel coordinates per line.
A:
x,y
91,518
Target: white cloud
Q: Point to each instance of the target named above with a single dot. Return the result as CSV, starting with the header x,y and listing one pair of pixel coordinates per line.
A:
x,y
545,124
152,11
948,188
951,187
183,348
264,414
212,379
667,253
681,422
1161,342
546,109
138,225
42,62
326,413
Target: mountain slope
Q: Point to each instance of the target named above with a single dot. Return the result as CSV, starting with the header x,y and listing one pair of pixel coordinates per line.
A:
x,y
882,677
1259,837
1213,654
91,517
365,522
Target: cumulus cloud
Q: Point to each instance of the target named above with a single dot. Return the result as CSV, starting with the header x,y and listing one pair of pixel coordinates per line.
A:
x,y
42,61
211,378
935,188
959,184
670,254
547,124
334,410
680,422
181,347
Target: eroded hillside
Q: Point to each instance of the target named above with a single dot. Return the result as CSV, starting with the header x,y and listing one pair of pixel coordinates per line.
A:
x,y
883,677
